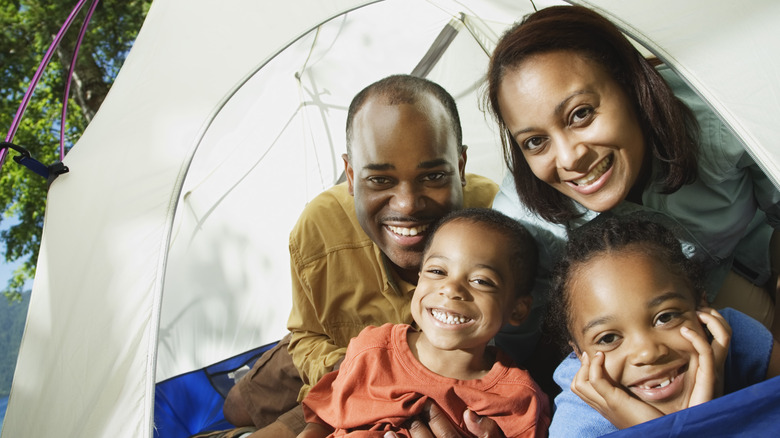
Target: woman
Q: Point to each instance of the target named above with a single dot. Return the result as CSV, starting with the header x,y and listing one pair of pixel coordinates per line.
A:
x,y
590,126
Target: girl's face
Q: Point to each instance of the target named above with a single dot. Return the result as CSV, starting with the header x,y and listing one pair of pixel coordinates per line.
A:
x,y
630,307
575,127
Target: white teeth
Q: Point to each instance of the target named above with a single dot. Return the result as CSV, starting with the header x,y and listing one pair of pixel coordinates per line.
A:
x,y
595,173
413,231
663,384
449,318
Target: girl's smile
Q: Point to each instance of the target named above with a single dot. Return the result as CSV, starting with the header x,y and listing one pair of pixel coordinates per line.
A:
x,y
633,316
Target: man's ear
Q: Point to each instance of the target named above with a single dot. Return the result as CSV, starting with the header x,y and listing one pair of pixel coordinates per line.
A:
x,y
462,165
520,310
349,173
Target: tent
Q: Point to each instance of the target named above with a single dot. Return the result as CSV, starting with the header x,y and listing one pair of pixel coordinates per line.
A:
x,y
165,246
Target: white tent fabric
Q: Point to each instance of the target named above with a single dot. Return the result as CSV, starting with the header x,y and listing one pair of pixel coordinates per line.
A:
x,y
165,247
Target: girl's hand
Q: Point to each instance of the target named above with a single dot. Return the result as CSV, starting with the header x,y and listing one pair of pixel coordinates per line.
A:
x,y
593,386
711,357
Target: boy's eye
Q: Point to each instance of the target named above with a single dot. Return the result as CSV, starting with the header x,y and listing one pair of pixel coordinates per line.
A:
x,y
484,282
435,271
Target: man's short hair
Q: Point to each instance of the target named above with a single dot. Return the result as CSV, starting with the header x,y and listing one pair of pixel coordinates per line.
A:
x,y
405,89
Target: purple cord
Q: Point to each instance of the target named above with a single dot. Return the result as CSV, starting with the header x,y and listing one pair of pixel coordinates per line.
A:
x,y
37,77
70,76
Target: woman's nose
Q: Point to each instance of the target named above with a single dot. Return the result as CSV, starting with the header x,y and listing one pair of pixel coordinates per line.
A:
x,y
570,154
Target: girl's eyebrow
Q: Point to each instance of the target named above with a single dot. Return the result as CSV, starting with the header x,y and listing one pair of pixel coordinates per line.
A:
x,y
595,322
673,295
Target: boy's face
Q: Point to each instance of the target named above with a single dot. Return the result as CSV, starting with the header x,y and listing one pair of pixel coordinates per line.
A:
x,y
630,307
466,289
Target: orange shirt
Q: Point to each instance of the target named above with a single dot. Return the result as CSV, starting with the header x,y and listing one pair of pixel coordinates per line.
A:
x,y
380,385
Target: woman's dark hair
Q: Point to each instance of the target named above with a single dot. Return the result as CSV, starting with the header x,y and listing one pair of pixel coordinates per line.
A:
x,y
614,235
525,255
669,127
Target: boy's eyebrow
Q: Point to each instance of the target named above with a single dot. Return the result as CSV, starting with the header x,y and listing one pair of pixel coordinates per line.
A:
x,y
478,265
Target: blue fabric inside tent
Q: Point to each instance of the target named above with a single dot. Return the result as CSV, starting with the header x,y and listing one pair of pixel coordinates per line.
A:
x,y
751,412
192,402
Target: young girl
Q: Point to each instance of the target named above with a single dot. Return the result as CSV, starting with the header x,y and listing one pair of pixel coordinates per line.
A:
x,y
477,269
628,301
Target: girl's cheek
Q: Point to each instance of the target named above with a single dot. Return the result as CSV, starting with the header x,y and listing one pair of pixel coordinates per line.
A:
x,y
613,367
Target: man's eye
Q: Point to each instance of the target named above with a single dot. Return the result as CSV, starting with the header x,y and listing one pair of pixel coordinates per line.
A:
x,y
378,180
434,176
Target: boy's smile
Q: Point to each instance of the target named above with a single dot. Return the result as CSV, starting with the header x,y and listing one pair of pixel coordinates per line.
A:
x,y
465,288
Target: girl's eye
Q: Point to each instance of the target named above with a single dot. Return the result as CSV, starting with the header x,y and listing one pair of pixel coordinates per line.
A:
x,y
581,115
666,318
533,143
607,339
435,271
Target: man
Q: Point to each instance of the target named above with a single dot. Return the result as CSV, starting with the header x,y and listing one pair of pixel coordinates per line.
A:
x,y
356,250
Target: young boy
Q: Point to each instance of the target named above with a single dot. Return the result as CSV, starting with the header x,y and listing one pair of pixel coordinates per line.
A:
x,y
477,269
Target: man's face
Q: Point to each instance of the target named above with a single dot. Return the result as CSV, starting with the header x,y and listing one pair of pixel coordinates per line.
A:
x,y
405,173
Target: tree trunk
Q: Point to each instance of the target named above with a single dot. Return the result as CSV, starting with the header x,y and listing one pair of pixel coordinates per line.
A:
x,y
88,87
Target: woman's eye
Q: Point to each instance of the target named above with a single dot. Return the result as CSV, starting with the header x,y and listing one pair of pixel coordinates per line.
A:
x,y
581,114
533,143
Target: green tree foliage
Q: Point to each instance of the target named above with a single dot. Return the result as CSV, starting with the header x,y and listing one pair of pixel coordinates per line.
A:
x,y
27,28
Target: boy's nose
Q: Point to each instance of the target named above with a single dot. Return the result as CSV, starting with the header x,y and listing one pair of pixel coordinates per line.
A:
x,y
453,290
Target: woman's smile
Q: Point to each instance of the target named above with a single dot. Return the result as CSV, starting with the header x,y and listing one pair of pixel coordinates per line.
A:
x,y
575,127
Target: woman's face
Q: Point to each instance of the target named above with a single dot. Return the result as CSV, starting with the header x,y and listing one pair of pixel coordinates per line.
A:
x,y
575,127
